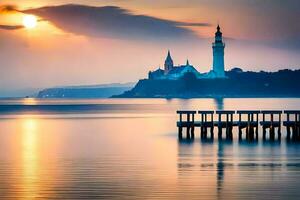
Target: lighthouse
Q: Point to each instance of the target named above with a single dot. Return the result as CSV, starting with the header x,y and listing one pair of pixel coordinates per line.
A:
x,y
176,72
218,47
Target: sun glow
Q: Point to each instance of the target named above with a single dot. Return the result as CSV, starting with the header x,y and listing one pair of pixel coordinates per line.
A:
x,y
29,21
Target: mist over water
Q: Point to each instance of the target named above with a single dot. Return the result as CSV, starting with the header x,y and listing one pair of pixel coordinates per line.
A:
x,y
128,148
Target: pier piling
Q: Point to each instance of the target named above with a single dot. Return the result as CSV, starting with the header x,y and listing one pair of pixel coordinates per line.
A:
x,y
292,122
186,120
271,124
206,122
247,119
250,124
227,123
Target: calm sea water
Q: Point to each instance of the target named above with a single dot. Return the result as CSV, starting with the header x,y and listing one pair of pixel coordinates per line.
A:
x,y
128,149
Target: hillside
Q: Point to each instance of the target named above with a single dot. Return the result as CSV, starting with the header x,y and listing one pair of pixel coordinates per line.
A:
x,y
92,91
284,83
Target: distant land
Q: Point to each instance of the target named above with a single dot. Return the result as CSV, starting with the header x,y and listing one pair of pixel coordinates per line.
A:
x,y
88,91
283,83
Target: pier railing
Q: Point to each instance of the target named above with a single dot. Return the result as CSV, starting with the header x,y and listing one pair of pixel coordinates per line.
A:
x,y
246,119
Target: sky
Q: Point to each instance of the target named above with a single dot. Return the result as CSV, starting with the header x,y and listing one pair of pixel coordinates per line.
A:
x,y
81,42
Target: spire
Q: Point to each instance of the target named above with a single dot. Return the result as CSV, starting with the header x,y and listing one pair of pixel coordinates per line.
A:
x,y
169,58
187,62
218,30
168,63
218,35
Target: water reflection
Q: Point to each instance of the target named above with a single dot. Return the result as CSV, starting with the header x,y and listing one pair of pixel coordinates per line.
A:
x,y
29,101
219,103
29,157
220,168
202,163
234,166
186,141
133,153
245,142
38,171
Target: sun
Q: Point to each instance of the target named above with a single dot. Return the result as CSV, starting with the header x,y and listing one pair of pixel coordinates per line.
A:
x,y
29,21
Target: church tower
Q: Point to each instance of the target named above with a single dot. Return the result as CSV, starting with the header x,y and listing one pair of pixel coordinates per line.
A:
x,y
168,63
218,55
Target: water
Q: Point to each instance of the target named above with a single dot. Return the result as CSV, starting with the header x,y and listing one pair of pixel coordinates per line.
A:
x,y
128,149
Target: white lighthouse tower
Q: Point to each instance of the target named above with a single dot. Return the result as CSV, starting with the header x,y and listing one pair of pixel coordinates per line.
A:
x,y
218,55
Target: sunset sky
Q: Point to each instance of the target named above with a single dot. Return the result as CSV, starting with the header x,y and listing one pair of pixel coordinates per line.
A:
x,y
106,41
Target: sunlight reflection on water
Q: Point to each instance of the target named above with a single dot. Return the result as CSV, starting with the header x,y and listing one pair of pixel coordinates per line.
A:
x,y
134,153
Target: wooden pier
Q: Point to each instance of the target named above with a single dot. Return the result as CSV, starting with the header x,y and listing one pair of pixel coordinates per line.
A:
x,y
292,122
206,122
251,124
186,120
227,123
246,119
272,123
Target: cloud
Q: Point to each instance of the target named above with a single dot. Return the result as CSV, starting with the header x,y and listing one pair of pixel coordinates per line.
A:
x,y
113,22
11,27
4,9
8,9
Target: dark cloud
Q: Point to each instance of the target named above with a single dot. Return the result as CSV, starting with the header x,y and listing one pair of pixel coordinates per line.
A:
x,y
192,24
8,9
11,27
113,22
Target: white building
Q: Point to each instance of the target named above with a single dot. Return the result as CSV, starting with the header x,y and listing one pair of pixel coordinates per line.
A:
x,y
218,56
172,72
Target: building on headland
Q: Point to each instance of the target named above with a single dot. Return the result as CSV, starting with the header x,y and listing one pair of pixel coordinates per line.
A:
x,y
172,72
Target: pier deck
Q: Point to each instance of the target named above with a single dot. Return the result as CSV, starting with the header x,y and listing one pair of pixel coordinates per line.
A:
x,y
251,124
246,119
226,123
273,122
186,120
207,122
292,122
